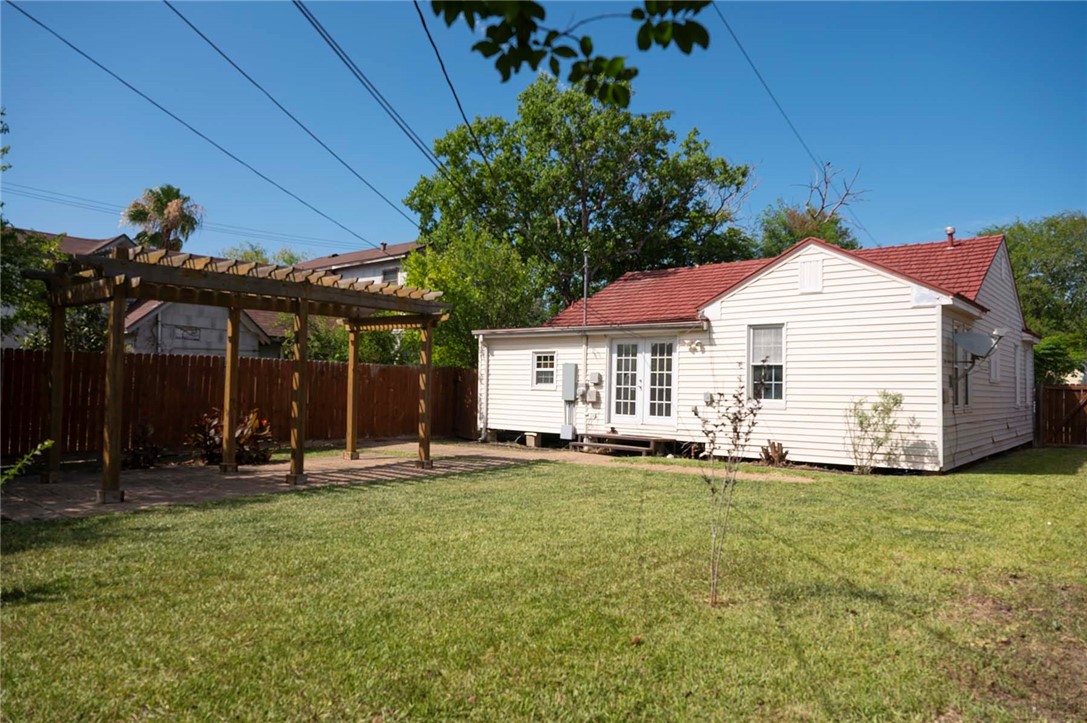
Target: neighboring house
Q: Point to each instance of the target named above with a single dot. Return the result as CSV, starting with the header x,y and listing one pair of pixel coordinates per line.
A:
x,y
155,327
158,327
381,264
819,325
71,245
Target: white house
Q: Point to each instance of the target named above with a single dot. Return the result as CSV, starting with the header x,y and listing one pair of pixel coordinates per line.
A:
x,y
821,326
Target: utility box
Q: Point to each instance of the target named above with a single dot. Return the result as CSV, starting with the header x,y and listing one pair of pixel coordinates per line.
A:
x,y
592,396
569,382
567,432
596,378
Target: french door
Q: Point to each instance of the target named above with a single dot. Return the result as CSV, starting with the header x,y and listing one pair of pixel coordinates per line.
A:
x,y
643,381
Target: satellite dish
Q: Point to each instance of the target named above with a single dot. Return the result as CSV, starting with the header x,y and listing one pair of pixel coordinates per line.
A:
x,y
976,343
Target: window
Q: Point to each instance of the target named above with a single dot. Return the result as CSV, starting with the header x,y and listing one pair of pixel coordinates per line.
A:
x,y
187,333
811,276
660,379
391,275
543,368
626,379
767,362
643,380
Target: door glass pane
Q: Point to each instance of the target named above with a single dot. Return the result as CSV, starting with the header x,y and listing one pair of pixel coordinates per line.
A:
x,y
626,379
660,379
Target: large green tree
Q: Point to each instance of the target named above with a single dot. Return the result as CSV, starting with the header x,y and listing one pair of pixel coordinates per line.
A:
x,y
571,174
487,285
1049,258
165,215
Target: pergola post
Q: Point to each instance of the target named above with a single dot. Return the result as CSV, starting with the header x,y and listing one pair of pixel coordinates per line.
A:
x,y
298,395
56,392
425,349
230,391
352,451
112,444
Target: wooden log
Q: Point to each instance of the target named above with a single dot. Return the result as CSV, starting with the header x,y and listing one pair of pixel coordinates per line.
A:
x,y
230,390
352,452
298,396
425,353
112,442
56,393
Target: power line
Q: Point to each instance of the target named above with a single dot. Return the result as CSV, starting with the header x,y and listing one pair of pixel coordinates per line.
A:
x,y
290,115
766,86
402,124
143,95
453,90
65,199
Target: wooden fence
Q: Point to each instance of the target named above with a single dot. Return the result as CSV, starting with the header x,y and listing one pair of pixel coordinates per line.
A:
x,y
172,392
1062,415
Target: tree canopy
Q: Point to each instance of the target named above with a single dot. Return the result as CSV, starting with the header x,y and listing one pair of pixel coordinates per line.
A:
x,y
515,35
165,215
571,174
1049,258
487,284
256,253
783,225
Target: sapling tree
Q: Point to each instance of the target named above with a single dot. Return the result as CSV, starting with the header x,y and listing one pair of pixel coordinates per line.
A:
x,y
728,420
870,428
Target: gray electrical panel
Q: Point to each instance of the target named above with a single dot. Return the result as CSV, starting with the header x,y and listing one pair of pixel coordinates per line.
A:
x,y
569,382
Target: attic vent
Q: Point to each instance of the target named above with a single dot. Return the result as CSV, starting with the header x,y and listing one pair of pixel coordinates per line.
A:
x,y
811,276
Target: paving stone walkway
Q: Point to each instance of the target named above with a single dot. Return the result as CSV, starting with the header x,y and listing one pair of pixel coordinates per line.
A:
x,y
381,462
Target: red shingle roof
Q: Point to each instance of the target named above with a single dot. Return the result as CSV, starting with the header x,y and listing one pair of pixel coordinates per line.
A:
x,y
76,245
365,256
645,297
957,269
676,295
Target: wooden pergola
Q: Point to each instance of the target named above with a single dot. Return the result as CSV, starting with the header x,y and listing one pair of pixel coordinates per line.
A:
x,y
146,273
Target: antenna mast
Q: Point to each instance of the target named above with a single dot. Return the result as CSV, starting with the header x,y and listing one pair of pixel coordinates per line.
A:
x,y
585,288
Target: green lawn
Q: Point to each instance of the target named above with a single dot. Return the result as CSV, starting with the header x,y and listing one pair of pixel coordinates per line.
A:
x,y
562,592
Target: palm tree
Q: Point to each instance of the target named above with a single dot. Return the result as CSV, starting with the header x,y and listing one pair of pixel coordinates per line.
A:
x,y
167,217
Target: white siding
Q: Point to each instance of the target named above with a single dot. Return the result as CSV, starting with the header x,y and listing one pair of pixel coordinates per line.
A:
x,y
862,333
995,420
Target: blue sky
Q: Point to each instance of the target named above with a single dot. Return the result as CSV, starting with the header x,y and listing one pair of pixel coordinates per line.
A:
x,y
954,113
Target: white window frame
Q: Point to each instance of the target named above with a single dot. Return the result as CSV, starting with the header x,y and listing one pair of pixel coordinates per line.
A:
x,y
536,368
749,367
395,270
1020,375
643,356
994,365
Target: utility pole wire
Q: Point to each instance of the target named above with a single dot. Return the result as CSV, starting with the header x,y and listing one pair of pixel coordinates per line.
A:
x,y
143,95
453,90
766,86
370,87
290,115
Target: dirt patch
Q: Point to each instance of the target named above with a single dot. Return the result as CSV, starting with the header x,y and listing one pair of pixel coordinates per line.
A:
x,y
1023,654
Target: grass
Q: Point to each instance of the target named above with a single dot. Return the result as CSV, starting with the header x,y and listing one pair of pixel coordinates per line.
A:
x,y
564,592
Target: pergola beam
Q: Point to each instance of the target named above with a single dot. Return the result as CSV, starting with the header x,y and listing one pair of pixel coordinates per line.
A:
x,y
56,392
230,391
112,444
299,397
425,353
297,289
351,433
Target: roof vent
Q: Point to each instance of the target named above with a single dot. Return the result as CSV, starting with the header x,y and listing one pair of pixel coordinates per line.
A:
x,y
950,231
384,246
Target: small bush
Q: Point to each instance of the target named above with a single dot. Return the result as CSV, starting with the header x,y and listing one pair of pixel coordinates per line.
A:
x,y
871,428
253,438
